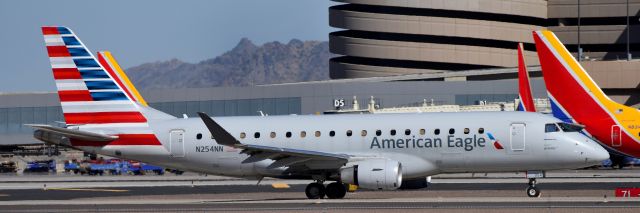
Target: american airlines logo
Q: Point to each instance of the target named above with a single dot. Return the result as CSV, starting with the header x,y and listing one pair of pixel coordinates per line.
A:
x,y
466,143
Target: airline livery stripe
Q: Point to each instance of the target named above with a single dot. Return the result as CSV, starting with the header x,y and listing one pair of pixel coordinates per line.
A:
x,y
50,31
58,51
66,73
65,86
99,108
108,68
104,117
75,95
129,87
123,140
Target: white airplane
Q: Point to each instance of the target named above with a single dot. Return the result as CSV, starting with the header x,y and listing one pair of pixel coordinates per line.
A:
x,y
373,151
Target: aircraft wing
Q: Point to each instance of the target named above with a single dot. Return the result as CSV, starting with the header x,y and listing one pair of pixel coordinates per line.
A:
x,y
283,157
74,134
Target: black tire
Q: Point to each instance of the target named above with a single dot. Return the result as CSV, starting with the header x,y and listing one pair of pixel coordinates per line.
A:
x,y
336,190
533,191
315,191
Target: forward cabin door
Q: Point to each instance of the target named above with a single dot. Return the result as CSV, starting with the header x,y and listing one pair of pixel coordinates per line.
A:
x,y
616,136
518,138
176,147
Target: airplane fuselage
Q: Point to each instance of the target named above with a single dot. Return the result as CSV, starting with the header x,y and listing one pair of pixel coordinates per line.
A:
x,y
424,143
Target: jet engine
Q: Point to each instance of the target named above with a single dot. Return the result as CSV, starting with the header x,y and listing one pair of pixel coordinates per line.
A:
x,y
379,173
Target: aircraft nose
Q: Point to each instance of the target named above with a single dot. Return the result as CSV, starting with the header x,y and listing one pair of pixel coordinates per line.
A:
x,y
595,153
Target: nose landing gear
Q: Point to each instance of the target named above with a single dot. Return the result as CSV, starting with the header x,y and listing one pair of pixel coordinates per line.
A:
x,y
532,190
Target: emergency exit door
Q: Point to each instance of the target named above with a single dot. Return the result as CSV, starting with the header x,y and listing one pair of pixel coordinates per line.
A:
x,y
616,136
518,138
176,147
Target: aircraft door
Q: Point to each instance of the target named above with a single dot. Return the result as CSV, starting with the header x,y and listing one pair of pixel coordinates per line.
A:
x,y
616,136
518,138
176,147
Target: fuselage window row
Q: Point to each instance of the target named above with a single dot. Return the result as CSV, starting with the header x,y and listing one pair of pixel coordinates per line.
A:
x,y
363,133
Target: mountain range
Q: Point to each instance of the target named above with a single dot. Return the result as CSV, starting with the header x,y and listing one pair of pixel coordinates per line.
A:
x,y
246,64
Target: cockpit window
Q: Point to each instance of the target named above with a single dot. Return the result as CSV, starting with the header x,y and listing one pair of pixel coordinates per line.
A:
x,y
551,128
567,127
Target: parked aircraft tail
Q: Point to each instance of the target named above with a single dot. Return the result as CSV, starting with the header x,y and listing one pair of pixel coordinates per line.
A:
x,y
575,97
526,99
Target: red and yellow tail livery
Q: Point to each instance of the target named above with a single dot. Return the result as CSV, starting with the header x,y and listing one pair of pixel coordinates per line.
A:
x,y
575,97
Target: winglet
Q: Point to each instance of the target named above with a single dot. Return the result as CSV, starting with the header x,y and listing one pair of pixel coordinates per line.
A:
x,y
220,134
526,99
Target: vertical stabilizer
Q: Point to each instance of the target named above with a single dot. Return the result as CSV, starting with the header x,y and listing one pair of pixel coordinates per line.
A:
x,y
524,86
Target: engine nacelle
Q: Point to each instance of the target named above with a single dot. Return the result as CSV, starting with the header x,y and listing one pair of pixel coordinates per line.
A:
x,y
379,173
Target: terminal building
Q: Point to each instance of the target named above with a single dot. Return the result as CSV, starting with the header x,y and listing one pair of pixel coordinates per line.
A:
x,y
403,52
400,37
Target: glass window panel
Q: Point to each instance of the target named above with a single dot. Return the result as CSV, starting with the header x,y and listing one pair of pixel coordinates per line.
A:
x,y
256,106
282,106
269,106
244,107
205,106
26,117
218,108
295,105
179,108
193,107
4,120
14,120
230,107
40,115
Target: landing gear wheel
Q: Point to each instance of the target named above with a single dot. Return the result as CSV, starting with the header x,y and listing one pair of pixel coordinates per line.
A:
x,y
336,190
315,191
533,191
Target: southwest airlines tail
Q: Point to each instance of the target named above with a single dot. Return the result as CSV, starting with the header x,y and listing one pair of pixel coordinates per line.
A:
x,y
95,98
575,97
524,91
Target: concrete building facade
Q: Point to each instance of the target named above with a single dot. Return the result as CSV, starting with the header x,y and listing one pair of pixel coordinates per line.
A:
x,y
387,38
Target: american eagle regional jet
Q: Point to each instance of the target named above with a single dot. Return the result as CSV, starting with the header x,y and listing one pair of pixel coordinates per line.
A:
x,y
104,114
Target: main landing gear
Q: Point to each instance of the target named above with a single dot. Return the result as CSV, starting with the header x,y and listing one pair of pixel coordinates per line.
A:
x,y
317,190
532,190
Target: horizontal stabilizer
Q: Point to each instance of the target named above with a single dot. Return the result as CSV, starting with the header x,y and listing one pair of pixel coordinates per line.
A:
x,y
74,134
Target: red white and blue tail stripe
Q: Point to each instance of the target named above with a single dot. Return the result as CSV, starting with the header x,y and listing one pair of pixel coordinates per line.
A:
x,y
526,99
89,95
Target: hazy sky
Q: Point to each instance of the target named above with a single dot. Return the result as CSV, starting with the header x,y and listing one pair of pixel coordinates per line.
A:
x,y
147,30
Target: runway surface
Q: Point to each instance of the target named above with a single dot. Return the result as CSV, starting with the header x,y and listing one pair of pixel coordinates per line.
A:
x,y
567,191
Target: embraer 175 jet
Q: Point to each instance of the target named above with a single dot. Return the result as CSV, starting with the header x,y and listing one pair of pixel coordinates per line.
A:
x,y
576,98
372,151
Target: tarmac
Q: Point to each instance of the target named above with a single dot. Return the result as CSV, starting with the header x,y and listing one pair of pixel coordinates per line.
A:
x,y
562,191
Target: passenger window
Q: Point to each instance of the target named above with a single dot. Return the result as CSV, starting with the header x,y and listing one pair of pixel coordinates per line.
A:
x,y
288,134
466,131
243,135
256,135
363,133
436,131
481,131
393,132
332,133
407,132
273,134
550,128
378,132
199,136
303,134
318,134
422,131
452,131
349,133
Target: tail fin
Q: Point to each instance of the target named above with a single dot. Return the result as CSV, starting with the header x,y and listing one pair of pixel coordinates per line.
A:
x,y
526,99
89,94
574,95
111,65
